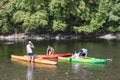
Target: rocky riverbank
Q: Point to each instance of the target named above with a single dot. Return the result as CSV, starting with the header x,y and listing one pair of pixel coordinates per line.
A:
x,y
23,36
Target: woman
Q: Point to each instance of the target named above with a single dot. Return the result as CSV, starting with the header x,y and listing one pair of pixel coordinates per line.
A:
x,y
50,51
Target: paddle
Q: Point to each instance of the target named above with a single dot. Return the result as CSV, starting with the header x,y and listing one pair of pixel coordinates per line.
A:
x,y
70,59
109,59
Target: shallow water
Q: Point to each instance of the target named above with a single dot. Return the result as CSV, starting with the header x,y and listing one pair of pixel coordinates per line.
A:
x,y
11,70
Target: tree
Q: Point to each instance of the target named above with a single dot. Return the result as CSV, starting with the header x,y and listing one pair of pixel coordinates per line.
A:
x,y
82,16
25,14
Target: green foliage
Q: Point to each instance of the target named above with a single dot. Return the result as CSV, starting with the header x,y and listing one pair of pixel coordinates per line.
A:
x,y
100,18
20,16
80,29
4,27
1,22
113,28
59,15
34,21
58,26
113,23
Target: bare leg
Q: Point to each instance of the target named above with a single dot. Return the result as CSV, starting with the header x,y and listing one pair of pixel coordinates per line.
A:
x,y
29,58
32,58
50,53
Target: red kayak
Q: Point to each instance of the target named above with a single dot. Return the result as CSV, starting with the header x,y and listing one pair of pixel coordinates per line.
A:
x,y
54,56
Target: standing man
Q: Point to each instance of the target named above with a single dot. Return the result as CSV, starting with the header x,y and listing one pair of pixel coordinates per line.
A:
x,y
29,51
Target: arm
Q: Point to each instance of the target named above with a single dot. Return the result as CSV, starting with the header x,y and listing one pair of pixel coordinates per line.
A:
x,y
47,50
73,55
31,45
53,51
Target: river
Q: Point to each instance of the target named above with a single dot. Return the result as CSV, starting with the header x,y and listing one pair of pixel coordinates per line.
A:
x,y
10,70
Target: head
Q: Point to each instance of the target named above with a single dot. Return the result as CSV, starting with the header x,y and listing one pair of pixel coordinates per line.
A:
x,y
48,46
77,51
29,42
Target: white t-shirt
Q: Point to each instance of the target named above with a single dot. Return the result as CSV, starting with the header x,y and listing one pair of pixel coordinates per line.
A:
x,y
29,49
76,56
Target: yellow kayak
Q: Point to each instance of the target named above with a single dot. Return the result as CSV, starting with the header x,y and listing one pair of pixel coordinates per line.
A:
x,y
37,60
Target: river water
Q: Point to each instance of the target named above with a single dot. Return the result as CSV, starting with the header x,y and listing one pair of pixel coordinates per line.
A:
x,y
10,70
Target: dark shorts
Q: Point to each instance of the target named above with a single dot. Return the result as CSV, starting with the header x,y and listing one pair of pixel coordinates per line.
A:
x,y
30,54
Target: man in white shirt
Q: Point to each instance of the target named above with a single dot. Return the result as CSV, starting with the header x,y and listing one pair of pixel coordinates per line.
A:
x,y
29,51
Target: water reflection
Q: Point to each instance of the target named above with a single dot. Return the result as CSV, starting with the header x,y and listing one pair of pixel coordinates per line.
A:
x,y
30,71
82,71
100,49
79,71
84,67
76,68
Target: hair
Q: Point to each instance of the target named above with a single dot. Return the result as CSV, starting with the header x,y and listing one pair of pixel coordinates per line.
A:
x,y
29,42
77,51
80,50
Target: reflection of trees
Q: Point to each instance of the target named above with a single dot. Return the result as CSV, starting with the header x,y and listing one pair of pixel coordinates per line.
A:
x,y
4,49
64,46
10,47
30,69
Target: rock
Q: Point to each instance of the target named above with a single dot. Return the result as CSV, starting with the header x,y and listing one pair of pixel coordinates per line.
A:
x,y
108,36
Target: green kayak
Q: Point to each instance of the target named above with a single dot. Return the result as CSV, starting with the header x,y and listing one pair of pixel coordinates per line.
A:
x,y
83,60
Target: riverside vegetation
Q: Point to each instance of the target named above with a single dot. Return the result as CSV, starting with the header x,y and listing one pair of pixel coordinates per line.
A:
x,y
59,16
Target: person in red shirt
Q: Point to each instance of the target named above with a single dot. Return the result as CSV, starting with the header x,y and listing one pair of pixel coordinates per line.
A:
x,y
50,50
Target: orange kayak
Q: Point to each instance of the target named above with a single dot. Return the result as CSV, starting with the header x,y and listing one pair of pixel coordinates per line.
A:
x,y
37,60
55,56
37,65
